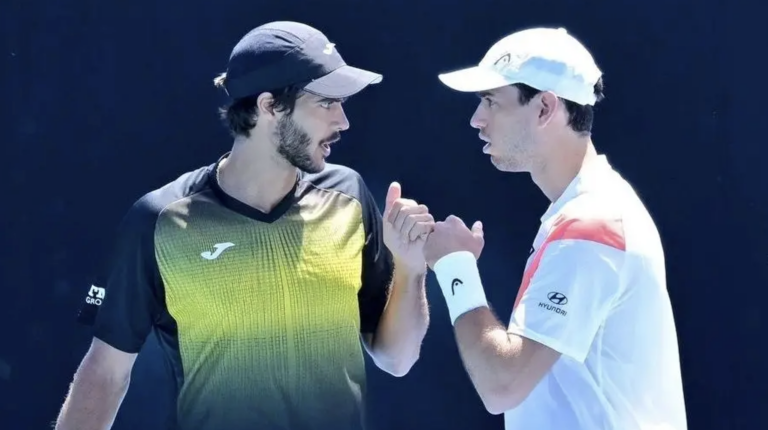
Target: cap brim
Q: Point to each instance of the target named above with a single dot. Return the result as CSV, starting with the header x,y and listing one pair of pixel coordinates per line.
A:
x,y
343,82
473,79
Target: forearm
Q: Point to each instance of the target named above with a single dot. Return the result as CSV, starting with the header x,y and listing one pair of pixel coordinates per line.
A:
x,y
92,402
487,351
489,354
404,323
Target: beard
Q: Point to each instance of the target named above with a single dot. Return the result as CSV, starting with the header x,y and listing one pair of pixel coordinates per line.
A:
x,y
293,144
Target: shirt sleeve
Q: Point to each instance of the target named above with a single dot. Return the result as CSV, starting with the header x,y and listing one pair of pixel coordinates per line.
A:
x,y
569,287
378,266
125,300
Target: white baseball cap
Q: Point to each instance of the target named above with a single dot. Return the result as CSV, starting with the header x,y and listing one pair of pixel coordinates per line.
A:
x,y
547,59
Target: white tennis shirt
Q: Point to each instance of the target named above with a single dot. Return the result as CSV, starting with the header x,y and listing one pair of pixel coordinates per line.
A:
x,y
594,289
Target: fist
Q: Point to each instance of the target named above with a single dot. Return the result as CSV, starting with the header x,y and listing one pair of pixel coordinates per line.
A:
x,y
450,236
406,227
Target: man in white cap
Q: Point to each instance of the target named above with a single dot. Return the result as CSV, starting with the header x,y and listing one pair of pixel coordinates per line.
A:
x,y
591,343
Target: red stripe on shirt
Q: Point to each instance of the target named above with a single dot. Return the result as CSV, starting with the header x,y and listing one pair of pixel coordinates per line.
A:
x,y
608,232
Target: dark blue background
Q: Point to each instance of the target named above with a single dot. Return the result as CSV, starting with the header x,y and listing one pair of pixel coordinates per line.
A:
x,y
102,102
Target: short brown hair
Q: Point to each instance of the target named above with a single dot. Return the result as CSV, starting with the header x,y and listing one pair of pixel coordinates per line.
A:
x,y
239,116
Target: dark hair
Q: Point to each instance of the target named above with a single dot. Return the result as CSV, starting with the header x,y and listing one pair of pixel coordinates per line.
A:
x,y
240,115
580,117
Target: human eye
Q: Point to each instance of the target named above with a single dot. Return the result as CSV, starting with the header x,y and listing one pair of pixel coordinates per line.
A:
x,y
328,103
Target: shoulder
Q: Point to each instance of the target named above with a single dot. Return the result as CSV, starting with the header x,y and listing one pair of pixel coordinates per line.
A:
x,y
591,219
342,179
584,241
600,231
144,212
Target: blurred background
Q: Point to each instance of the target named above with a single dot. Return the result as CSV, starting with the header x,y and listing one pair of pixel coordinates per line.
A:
x,y
102,102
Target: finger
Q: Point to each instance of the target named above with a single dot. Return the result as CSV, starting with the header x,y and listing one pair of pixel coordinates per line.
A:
x,y
421,229
477,229
394,193
454,220
407,208
393,211
412,221
414,208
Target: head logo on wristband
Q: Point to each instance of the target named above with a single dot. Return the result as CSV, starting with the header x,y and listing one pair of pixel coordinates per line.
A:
x,y
459,269
454,283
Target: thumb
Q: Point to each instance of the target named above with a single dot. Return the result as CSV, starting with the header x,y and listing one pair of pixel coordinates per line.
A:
x,y
477,229
393,194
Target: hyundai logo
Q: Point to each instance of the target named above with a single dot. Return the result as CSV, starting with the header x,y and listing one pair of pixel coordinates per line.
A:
x,y
557,298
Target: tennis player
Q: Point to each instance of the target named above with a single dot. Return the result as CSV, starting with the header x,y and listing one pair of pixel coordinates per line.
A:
x,y
591,344
261,273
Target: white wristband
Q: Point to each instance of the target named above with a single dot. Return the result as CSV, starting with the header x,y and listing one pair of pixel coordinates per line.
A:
x,y
459,279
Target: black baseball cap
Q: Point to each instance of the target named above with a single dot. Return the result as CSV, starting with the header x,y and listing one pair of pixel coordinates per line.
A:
x,y
282,53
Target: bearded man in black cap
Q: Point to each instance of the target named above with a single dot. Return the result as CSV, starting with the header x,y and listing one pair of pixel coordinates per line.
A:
x,y
266,274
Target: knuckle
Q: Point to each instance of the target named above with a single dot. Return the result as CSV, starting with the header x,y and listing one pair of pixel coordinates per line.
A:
x,y
417,208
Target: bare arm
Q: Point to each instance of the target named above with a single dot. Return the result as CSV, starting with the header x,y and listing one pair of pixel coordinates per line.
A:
x,y
504,367
397,344
97,391
506,364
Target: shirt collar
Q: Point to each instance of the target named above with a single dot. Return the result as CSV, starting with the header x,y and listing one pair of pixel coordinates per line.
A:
x,y
589,176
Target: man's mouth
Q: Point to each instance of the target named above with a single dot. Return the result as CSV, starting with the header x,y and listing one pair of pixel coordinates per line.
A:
x,y
487,141
325,145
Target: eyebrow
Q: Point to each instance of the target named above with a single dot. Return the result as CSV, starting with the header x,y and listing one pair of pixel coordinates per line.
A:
x,y
326,99
483,94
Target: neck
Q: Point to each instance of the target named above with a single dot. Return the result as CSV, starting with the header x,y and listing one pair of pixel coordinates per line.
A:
x,y
554,176
255,174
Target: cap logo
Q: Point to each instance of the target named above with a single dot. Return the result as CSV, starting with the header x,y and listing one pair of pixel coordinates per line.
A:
x,y
502,61
328,48
509,62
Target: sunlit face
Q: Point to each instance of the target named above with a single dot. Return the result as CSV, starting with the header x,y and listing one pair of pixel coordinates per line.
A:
x,y
304,138
509,128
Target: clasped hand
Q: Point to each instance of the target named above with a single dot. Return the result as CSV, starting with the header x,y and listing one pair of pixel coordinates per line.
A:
x,y
416,240
406,227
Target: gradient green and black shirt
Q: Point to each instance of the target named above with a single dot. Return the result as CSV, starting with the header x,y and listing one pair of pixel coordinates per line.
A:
x,y
260,314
